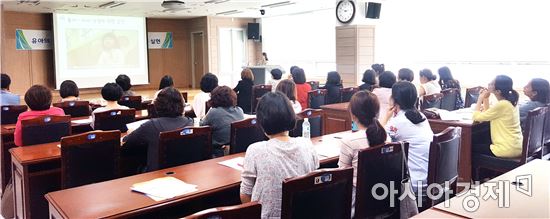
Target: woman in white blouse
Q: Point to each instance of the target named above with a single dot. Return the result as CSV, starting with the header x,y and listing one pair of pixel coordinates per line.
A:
x,y
428,83
209,81
404,122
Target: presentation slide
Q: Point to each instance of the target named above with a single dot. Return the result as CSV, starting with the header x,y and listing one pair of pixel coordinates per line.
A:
x,y
92,50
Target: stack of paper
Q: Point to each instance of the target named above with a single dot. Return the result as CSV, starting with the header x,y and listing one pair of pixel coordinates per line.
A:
x,y
235,163
163,188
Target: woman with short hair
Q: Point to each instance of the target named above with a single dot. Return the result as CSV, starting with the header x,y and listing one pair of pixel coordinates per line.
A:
x,y
68,91
538,91
208,82
244,90
383,91
302,88
169,107
333,85
112,93
268,163
369,80
124,82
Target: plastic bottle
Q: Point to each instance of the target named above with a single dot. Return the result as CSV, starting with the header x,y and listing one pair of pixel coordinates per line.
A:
x,y
306,132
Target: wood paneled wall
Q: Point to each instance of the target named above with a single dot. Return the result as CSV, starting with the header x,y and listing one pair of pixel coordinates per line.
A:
x,y
354,52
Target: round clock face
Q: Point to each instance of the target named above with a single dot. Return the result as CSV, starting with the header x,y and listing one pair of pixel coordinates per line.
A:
x,y
345,11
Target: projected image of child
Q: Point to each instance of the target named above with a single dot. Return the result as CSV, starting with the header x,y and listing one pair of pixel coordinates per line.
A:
x,y
111,54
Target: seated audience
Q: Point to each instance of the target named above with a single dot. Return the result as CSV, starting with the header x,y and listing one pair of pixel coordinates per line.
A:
x,y
169,106
369,80
378,68
39,101
288,87
403,122
165,82
506,135
333,85
6,97
299,77
405,74
276,75
446,81
209,81
111,93
244,90
363,108
124,82
68,91
383,92
268,163
538,91
428,85
224,111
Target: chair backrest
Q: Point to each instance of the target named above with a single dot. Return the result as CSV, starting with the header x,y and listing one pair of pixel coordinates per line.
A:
x,y
431,114
152,111
533,135
131,102
11,112
315,118
431,101
316,98
257,92
546,140
471,96
450,96
183,146
244,133
114,119
443,161
45,129
89,158
75,108
324,193
347,93
382,165
184,95
314,84
251,210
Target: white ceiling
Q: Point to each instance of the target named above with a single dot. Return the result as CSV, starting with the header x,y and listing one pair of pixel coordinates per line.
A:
x,y
150,8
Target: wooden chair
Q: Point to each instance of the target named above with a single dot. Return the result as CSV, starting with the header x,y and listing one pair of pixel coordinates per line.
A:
x,y
471,96
324,193
244,133
545,153
379,164
532,145
315,118
347,93
133,102
183,146
431,101
184,95
314,85
450,96
45,129
75,108
316,98
252,210
257,92
443,164
89,158
11,112
114,119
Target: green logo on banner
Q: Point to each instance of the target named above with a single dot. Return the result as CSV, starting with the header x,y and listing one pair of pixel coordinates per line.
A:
x,y
21,42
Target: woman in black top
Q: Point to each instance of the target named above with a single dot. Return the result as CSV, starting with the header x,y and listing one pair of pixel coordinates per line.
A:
x,y
333,85
169,106
446,81
244,90
369,80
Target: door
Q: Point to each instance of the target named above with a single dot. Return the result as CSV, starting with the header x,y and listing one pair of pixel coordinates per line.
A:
x,y
197,53
232,55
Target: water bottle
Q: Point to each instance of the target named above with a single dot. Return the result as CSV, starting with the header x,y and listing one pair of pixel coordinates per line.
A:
x,y
354,127
306,132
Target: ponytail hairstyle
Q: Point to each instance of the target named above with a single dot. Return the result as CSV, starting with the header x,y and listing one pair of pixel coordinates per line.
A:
x,y
505,85
404,94
365,107
428,74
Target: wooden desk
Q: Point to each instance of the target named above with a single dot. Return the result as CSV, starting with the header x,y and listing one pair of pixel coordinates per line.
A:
x,y
114,199
337,118
521,205
7,143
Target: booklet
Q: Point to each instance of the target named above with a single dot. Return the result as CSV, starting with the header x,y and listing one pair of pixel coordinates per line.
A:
x,y
163,188
235,163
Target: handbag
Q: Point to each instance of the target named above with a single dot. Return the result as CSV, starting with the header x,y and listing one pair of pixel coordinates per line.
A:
x,y
407,203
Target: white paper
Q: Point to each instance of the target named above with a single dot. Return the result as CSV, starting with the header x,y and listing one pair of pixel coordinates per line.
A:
x,y
327,150
83,121
235,163
448,115
135,125
163,188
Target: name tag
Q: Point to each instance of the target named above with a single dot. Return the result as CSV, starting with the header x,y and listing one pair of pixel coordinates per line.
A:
x,y
386,150
186,132
327,177
91,137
